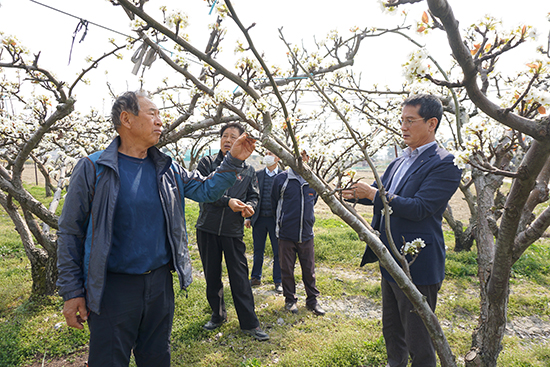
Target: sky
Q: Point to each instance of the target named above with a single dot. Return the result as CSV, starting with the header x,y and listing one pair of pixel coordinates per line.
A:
x,y
51,32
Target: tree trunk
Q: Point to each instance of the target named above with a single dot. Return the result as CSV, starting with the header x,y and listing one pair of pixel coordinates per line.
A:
x,y
44,275
47,180
464,238
486,187
495,262
43,264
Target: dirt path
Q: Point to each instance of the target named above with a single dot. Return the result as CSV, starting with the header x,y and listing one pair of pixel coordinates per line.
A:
x,y
353,306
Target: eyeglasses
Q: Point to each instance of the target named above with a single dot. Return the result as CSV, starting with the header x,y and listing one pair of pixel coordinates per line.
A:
x,y
408,122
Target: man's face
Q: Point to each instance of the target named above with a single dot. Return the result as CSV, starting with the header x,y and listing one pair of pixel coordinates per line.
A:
x,y
416,131
228,138
146,126
277,159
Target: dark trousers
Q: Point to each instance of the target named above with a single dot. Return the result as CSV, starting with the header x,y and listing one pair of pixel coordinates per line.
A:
x,y
262,227
287,256
136,313
211,249
404,332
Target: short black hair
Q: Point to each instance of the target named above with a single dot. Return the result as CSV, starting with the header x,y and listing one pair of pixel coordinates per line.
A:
x,y
430,106
232,125
129,102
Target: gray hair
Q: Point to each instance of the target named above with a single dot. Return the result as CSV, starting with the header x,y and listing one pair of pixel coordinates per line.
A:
x,y
129,102
232,125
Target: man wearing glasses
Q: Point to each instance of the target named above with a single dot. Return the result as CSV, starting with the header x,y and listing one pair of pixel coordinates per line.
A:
x,y
418,187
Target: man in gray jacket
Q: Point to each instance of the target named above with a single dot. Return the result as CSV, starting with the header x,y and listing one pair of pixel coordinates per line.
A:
x,y
122,231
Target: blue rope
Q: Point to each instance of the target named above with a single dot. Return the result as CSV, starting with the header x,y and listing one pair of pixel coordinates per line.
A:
x,y
212,8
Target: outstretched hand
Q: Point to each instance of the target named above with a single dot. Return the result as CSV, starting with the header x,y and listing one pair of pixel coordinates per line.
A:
x,y
360,190
243,147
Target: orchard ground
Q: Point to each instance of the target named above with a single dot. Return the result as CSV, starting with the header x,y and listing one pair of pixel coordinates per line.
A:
x,y
529,328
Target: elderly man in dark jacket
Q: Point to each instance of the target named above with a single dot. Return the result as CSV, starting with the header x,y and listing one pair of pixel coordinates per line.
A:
x,y
220,230
122,232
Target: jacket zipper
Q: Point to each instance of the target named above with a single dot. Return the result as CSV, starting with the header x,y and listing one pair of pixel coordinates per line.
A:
x,y
221,222
302,213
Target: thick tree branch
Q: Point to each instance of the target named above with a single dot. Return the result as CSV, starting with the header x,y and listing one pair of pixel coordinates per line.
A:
x,y
62,110
442,10
24,198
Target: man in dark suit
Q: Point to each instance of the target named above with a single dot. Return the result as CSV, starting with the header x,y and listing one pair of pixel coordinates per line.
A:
x,y
263,223
419,185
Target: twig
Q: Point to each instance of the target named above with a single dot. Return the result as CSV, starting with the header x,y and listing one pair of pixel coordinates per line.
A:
x,y
381,188
268,73
510,109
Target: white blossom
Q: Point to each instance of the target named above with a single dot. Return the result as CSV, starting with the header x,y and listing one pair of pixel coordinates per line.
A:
x,y
413,247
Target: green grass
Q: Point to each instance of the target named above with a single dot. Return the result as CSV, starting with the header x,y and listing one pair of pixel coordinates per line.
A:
x,y
37,328
461,264
10,242
30,329
534,263
337,244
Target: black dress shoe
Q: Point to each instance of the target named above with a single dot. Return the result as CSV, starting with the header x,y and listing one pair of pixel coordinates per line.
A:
x,y
291,306
316,309
211,325
257,334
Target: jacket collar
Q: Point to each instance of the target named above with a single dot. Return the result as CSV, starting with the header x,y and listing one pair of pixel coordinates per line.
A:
x,y
219,157
294,176
109,157
424,157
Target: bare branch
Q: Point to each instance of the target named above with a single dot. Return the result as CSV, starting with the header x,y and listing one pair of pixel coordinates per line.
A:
x,y
190,48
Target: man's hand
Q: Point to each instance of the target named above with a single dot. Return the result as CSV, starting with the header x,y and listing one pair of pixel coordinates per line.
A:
x,y
243,147
248,212
360,190
238,206
75,312
247,223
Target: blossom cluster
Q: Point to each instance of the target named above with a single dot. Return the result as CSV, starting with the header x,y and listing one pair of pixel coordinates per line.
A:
x,y
478,134
414,247
417,66
177,19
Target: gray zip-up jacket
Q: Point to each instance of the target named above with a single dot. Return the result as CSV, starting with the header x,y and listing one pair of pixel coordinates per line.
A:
x,y
85,225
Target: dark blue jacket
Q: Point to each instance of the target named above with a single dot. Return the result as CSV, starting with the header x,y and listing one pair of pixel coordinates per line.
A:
x,y
293,201
417,206
85,224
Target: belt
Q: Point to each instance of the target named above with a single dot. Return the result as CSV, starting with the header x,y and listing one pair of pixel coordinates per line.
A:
x,y
145,273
